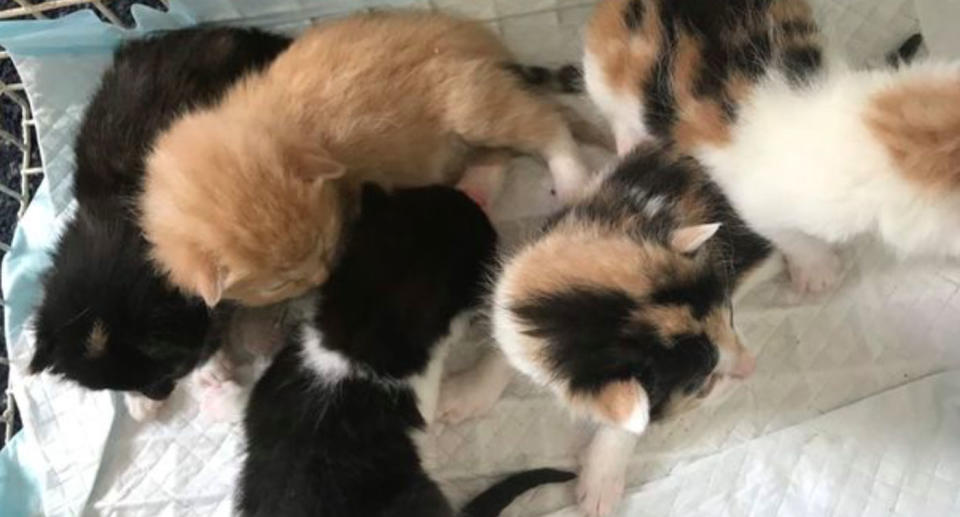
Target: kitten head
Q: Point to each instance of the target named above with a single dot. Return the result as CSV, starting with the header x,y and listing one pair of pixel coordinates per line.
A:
x,y
107,320
413,260
240,211
623,311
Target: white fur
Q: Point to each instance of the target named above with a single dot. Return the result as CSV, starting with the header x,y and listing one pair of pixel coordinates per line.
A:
x,y
329,365
141,408
623,111
805,161
603,471
653,206
509,335
427,384
640,417
569,173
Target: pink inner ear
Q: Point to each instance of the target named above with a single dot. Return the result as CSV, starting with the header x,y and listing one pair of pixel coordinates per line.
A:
x,y
691,238
328,169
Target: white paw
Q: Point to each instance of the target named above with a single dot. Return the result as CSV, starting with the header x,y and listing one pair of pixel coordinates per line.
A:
x,y
223,402
815,273
141,408
466,395
569,176
217,370
600,490
604,471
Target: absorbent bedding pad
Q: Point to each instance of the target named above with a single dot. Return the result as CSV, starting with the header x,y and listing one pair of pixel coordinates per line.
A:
x,y
852,410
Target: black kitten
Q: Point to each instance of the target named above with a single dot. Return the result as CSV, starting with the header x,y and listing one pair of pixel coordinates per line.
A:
x,y
107,320
328,425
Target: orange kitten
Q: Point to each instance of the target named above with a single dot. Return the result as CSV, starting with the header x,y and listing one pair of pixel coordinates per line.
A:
x,y
238,200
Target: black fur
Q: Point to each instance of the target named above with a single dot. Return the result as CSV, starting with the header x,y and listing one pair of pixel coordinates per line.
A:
x,y
906,52
594,341
633,14
797,28
660,105
318,447
101,272
566,79
155,335
151,82
593,333
802,63
713,24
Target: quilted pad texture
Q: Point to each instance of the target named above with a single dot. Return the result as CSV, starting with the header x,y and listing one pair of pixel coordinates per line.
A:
x,y
853,409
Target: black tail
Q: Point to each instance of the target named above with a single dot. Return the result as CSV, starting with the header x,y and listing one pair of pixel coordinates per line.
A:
x,y
566,79
493,500
905,53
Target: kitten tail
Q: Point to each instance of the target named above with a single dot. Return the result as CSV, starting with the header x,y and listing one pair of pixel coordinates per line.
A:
x,y
493,500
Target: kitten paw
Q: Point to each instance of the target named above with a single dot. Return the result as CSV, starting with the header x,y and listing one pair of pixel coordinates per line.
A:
x,y
463,396
142,409
815,274
223,402
604,471
599,491
218,370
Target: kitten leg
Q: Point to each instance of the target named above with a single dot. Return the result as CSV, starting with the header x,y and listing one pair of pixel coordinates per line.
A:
x,y
495,111
222,399
627,138
474,391
258,330
813,264
603,471
484,177
141,408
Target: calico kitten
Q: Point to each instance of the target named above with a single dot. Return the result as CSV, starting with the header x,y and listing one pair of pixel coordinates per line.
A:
x,y
623,305
413,93
107,320
329,424
809,150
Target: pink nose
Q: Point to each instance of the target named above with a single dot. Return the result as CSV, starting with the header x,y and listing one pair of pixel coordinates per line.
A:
x,y
746,363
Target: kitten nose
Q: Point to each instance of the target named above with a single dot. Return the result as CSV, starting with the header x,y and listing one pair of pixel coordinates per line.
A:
x,y
744,366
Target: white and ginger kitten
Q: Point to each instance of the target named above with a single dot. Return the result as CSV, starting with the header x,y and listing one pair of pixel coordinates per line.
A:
x,y
810,151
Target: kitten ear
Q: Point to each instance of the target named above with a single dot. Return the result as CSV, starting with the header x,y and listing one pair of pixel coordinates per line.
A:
x,y
209,283
690,238
313,164
326,168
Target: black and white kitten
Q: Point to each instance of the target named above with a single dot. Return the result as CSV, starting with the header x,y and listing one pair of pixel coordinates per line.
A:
x,y
107,320
329,424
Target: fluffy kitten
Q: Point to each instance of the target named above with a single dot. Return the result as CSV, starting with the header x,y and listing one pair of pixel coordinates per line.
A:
x,y
623,305
107,320
809,150
328,425
398,98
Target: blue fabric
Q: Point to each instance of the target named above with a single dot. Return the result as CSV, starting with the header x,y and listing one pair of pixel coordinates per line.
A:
x,y
19,484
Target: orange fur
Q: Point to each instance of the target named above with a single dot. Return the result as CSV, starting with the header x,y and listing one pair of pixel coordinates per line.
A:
x,y
240,195
616,401
627,59
919,124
